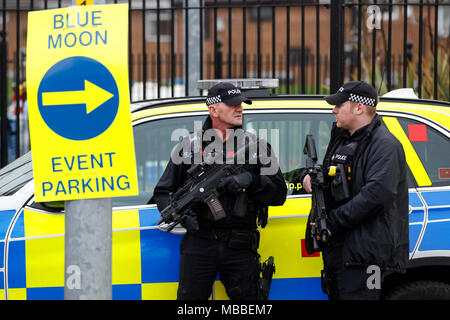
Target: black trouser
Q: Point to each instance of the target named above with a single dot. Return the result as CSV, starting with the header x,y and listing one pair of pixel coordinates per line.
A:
x,y
202,258
346,282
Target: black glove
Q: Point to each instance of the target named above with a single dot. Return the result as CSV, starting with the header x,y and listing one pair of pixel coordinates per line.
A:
x,y
190,222
237,183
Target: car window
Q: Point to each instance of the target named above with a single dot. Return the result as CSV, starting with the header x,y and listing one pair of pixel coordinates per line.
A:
x,y
153,145
15,175
433,149
286,134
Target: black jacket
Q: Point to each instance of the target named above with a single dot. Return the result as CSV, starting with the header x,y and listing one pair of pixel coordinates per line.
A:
x,y
267,190
374,223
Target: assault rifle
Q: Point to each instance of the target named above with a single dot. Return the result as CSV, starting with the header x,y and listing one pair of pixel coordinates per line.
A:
x,y
317,215
201,186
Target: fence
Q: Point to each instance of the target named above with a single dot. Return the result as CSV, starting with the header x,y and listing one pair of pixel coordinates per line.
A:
x,y
312,46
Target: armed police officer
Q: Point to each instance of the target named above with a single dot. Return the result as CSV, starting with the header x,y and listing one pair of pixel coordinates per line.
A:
x,y
367,210
226,244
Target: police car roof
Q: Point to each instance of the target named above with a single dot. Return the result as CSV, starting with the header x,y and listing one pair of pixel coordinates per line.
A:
x,y
429,109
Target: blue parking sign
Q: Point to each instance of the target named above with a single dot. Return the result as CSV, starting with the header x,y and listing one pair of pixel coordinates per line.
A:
x,y
78,98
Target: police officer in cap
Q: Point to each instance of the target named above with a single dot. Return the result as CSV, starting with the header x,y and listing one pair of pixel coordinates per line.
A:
x,y
227,246
368,208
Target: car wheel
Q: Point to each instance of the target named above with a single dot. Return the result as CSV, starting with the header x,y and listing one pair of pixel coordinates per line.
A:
x,y
421,290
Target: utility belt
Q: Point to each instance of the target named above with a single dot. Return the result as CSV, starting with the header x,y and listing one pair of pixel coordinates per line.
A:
x,y
236,238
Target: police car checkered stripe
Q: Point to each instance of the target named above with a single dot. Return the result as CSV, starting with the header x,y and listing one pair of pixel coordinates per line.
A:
x,y
360,99
213,100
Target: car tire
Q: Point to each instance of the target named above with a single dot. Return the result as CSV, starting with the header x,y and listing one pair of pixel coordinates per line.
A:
x,y
421,290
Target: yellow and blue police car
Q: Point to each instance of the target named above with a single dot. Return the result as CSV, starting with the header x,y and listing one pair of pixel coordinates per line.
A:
x,y
146,259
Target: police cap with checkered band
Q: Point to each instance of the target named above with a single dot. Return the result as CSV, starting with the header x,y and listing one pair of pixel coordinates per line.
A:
x,y
356,91
227,93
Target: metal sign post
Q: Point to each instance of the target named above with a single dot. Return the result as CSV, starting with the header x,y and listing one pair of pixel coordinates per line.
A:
x,y
88,246
192,39
88,249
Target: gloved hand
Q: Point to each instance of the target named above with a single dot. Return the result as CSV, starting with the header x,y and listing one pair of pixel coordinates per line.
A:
x,y
237,183
190,222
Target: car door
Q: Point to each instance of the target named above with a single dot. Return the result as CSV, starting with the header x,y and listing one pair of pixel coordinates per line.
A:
x,y
16,188
35,260
416,175
427,147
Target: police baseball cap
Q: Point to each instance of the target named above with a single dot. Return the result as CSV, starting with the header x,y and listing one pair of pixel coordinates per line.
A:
x,y
227,93
356,91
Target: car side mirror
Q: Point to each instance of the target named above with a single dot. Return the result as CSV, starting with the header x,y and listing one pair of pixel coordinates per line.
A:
x,y
53,206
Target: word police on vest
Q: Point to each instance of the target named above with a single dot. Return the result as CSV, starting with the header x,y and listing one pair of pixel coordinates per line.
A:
x,y
341,157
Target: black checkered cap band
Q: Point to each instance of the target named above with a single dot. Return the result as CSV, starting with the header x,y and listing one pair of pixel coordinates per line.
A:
x,y
360,99
213,100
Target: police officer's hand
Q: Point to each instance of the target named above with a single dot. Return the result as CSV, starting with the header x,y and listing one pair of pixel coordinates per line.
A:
x,y
307,183
237,183
318,238
190,222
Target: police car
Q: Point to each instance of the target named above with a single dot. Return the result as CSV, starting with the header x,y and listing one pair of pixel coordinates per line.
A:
x,y
146,259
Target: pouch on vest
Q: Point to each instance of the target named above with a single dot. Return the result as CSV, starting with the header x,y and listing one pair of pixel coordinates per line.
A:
x,y
342,160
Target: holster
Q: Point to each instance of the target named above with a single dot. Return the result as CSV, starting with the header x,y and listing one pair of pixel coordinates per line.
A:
x,y
329,286
267,269
324,281
244,239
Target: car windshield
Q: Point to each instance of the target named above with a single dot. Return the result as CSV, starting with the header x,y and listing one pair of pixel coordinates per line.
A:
x,y
15,175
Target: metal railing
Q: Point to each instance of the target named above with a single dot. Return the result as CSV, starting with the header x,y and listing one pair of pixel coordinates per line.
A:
x,y
312,46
